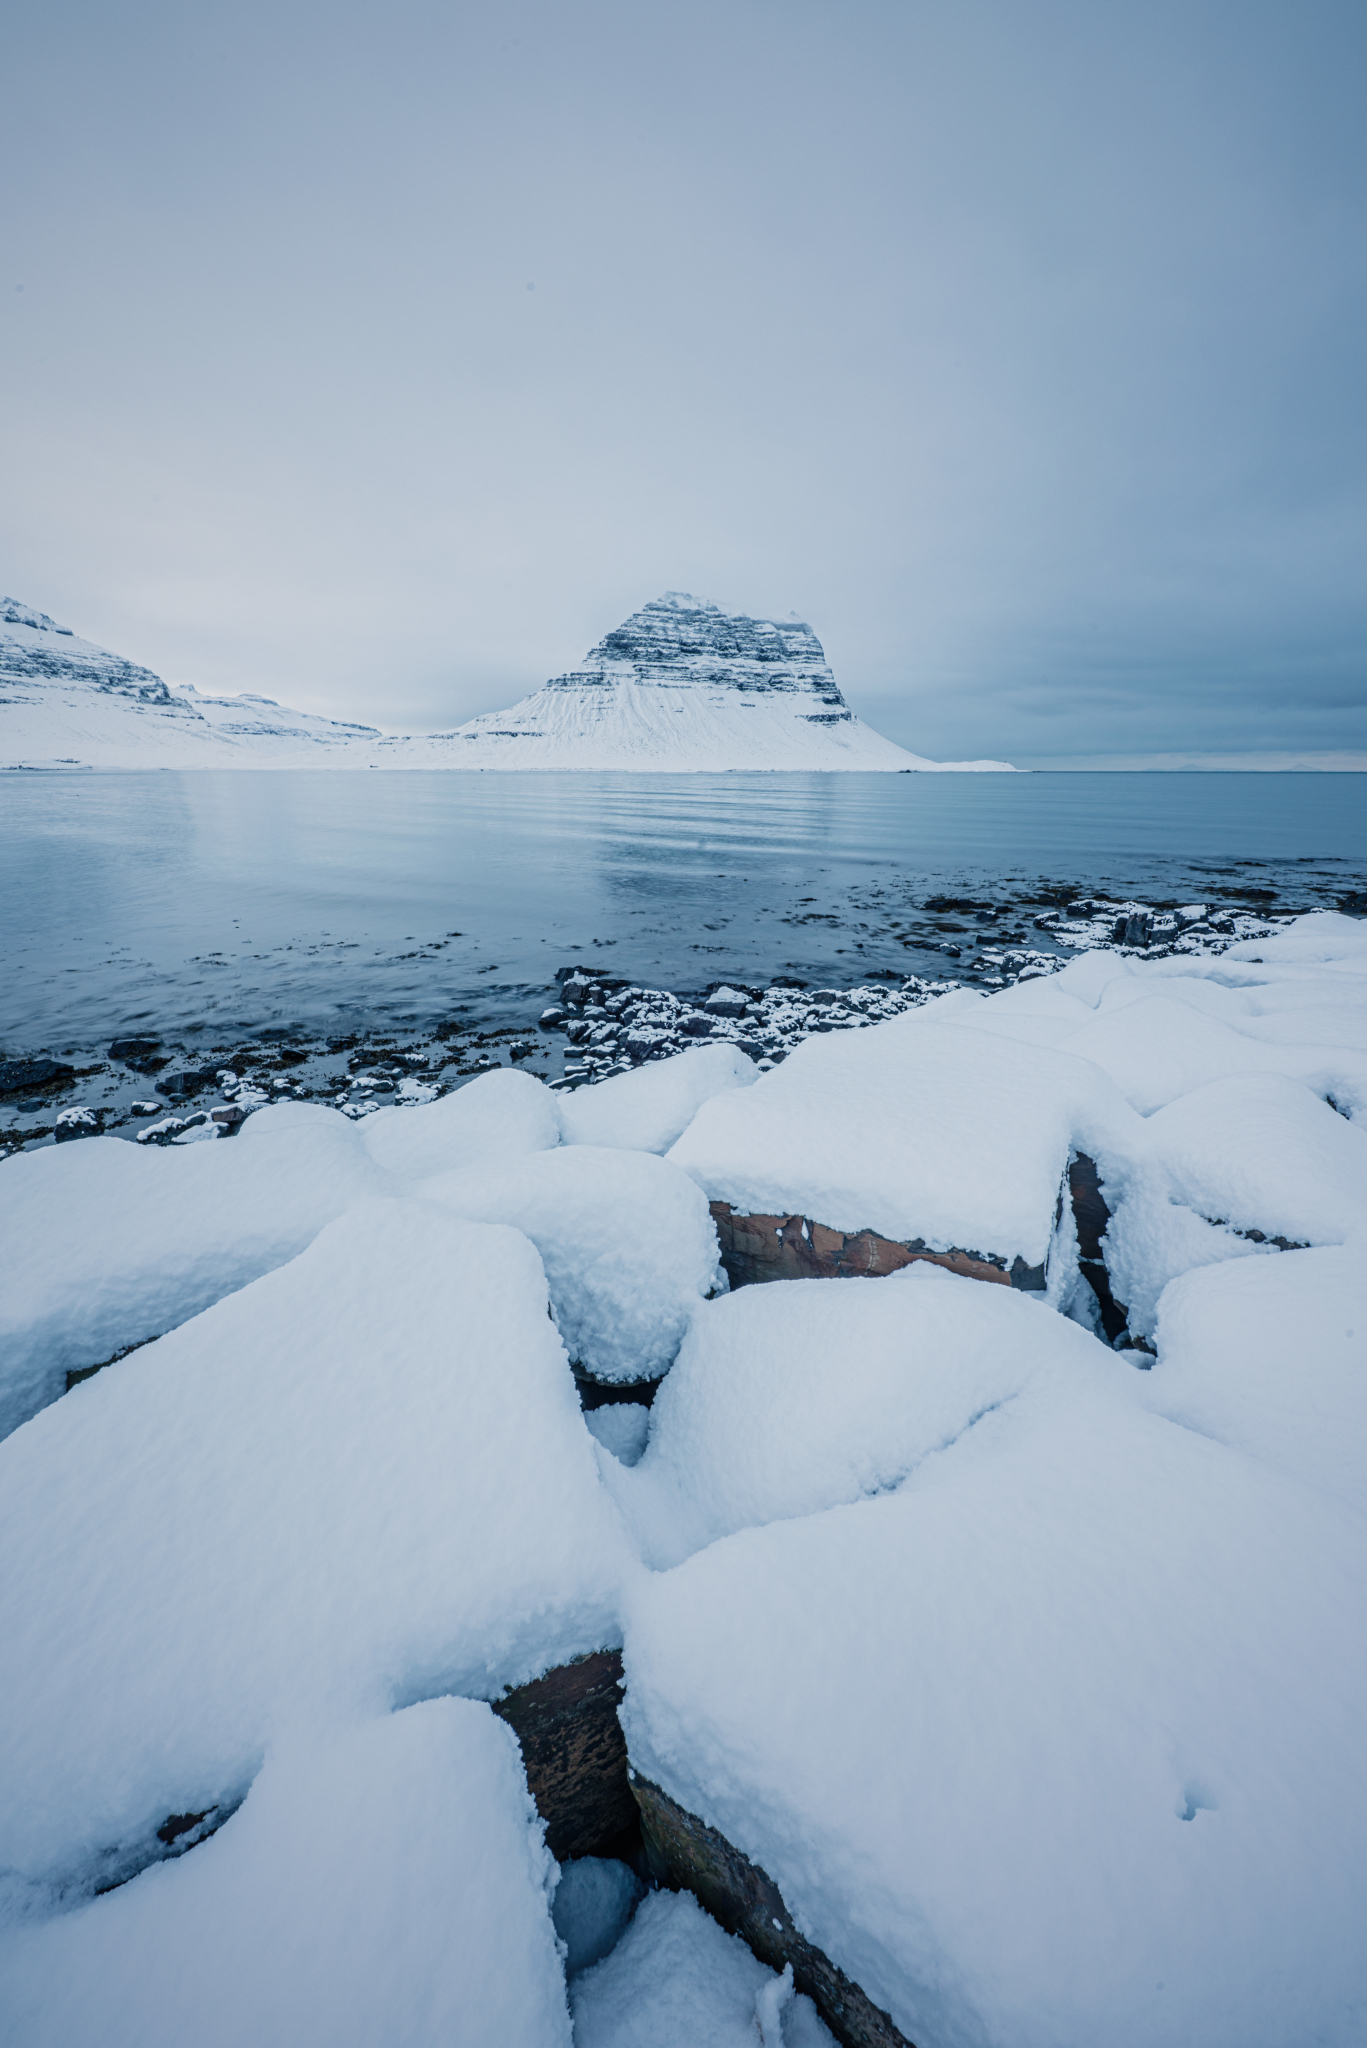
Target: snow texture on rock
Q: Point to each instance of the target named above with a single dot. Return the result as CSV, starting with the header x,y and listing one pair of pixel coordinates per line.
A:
x,y
103,1246
362,1480
501,1116
675,1980
646,1111
1057,1742
358,1896
914,1129
626,1239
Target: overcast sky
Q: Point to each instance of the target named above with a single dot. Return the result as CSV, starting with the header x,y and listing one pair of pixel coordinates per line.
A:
x,y
382,358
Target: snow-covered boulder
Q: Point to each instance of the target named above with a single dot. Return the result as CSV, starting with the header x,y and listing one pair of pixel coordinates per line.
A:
x,y
501,1116
788,1400
1057,1743
914,1129
382,1883
626,1239
362,1480
1270,1355
104,1245
1224,1173
647,1110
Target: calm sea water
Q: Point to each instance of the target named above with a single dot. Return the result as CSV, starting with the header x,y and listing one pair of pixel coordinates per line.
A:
x,y
235,902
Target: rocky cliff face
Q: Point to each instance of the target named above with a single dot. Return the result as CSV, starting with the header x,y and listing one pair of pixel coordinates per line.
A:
x,y
681,686
684,643
35,649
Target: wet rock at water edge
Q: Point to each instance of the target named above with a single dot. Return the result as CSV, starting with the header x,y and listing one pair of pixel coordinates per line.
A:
x,y
18,1075
81,1122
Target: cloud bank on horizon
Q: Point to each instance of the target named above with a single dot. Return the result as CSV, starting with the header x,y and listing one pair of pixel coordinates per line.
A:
x,y
380,362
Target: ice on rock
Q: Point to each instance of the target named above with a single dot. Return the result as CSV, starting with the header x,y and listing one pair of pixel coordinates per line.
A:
x,y
382,1883
594,1900
105,1245
621,1427
913,1128
1057,1744
363,1479
647,1110
1271,1357
626,1239
675,1980
501,1116
786,1400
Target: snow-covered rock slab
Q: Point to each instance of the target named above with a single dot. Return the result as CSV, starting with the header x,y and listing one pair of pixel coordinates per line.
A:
x,y
501,1116
1232,1171
1057,1743
915,1129
363,1479
647,1110
626,1240
788,1400
104,1245
1270,1355
383,1883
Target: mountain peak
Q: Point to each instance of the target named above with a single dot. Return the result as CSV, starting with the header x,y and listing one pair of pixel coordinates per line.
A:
x,y
12,613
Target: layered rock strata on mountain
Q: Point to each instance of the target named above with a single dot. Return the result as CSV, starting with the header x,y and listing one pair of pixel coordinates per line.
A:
x,y
35,649
682,684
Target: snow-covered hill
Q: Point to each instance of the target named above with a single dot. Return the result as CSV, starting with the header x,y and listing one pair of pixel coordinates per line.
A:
x,y
66,703
680,687
261,718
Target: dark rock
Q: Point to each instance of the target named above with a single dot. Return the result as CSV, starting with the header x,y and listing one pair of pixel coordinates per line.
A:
x,y
574,1753
696,1026
761,1248
188,1082
1091,1216
552,1018
231,1118
77,1123
595,1393
130,1049
23,1074
687,1855
727,1002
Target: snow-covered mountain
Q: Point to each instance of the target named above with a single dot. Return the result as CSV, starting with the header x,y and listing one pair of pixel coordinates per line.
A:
x,y
261,718
66,703
681,686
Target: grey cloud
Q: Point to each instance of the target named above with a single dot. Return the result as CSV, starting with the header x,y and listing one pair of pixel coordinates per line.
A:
x,y
1016,348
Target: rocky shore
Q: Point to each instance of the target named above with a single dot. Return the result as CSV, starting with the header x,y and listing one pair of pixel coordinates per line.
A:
x,y
454,1452
163,1090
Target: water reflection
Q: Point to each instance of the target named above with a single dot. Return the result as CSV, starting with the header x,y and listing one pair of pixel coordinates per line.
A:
x,y
260,898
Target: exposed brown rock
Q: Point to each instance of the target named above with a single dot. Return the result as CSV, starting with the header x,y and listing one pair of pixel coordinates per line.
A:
x,y
574,1753
687,1855
755,1248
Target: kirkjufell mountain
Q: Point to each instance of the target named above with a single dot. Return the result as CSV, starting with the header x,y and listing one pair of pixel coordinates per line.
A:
x,y
680,687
